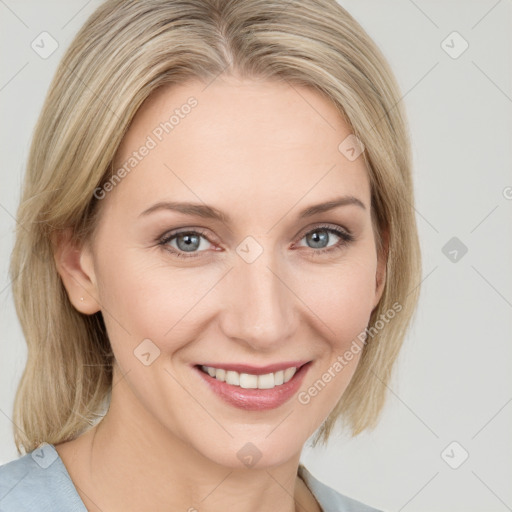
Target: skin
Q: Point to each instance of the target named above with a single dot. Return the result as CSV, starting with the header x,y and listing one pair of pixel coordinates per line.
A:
x,y
260,152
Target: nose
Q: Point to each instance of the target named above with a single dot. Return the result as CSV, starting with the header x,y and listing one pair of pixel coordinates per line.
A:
x,y
259,303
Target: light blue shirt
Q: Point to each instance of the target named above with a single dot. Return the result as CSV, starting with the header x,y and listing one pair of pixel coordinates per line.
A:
x,y
39,482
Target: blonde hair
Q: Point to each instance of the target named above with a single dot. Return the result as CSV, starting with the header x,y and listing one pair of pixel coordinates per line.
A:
x,y
123,53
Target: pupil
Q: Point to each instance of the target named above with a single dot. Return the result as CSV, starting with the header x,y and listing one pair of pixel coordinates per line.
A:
x,y
319,238
190,240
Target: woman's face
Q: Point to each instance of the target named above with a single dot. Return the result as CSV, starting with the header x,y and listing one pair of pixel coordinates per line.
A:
x,y
256,278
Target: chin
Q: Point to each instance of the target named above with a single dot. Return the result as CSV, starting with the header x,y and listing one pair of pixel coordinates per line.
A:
x,y
254,450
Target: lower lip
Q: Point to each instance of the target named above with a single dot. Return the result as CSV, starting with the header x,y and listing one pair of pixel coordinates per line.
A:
x,y
256,399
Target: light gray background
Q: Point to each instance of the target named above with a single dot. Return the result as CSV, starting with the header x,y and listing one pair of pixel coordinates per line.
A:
x,y
454,377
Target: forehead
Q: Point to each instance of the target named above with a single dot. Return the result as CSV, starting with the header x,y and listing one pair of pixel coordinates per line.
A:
x,y
250,141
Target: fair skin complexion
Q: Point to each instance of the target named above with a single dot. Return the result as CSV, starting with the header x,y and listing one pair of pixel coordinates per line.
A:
x,y
261,152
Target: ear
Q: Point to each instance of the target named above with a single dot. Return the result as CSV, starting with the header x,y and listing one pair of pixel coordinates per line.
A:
x,y
380,276
75,266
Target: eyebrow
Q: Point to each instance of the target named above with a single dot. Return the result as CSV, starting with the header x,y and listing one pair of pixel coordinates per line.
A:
x,y
210,212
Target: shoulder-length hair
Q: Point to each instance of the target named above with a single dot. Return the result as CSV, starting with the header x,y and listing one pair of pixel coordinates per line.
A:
x,y
123,53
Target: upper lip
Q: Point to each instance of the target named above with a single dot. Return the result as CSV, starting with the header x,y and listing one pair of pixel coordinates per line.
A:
x,y
256,370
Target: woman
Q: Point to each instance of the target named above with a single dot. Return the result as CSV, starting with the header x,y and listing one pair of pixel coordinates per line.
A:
x,y
217,258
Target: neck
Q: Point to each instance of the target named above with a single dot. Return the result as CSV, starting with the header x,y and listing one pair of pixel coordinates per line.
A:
x,y
131,462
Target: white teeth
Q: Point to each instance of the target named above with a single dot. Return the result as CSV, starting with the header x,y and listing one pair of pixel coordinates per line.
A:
x,y
289,373
266,381
233,378
249,381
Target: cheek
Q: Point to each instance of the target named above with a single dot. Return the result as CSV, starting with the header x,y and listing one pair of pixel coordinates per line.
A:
x,y
341,296
142,297
145,309
145,296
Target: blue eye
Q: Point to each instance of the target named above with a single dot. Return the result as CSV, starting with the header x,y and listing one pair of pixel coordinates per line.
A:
x,y
189,242
321,234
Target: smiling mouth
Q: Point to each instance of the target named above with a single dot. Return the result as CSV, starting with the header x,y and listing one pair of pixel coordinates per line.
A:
x,y
249,380
253,388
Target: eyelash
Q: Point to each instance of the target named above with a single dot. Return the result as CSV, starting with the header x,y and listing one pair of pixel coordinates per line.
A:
x,y
345,239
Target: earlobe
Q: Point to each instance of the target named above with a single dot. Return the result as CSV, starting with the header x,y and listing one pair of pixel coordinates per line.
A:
x,y
74,265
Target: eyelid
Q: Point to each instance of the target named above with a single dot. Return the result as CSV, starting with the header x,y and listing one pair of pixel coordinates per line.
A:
x,y
343,233
178,231
323,225
172,233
